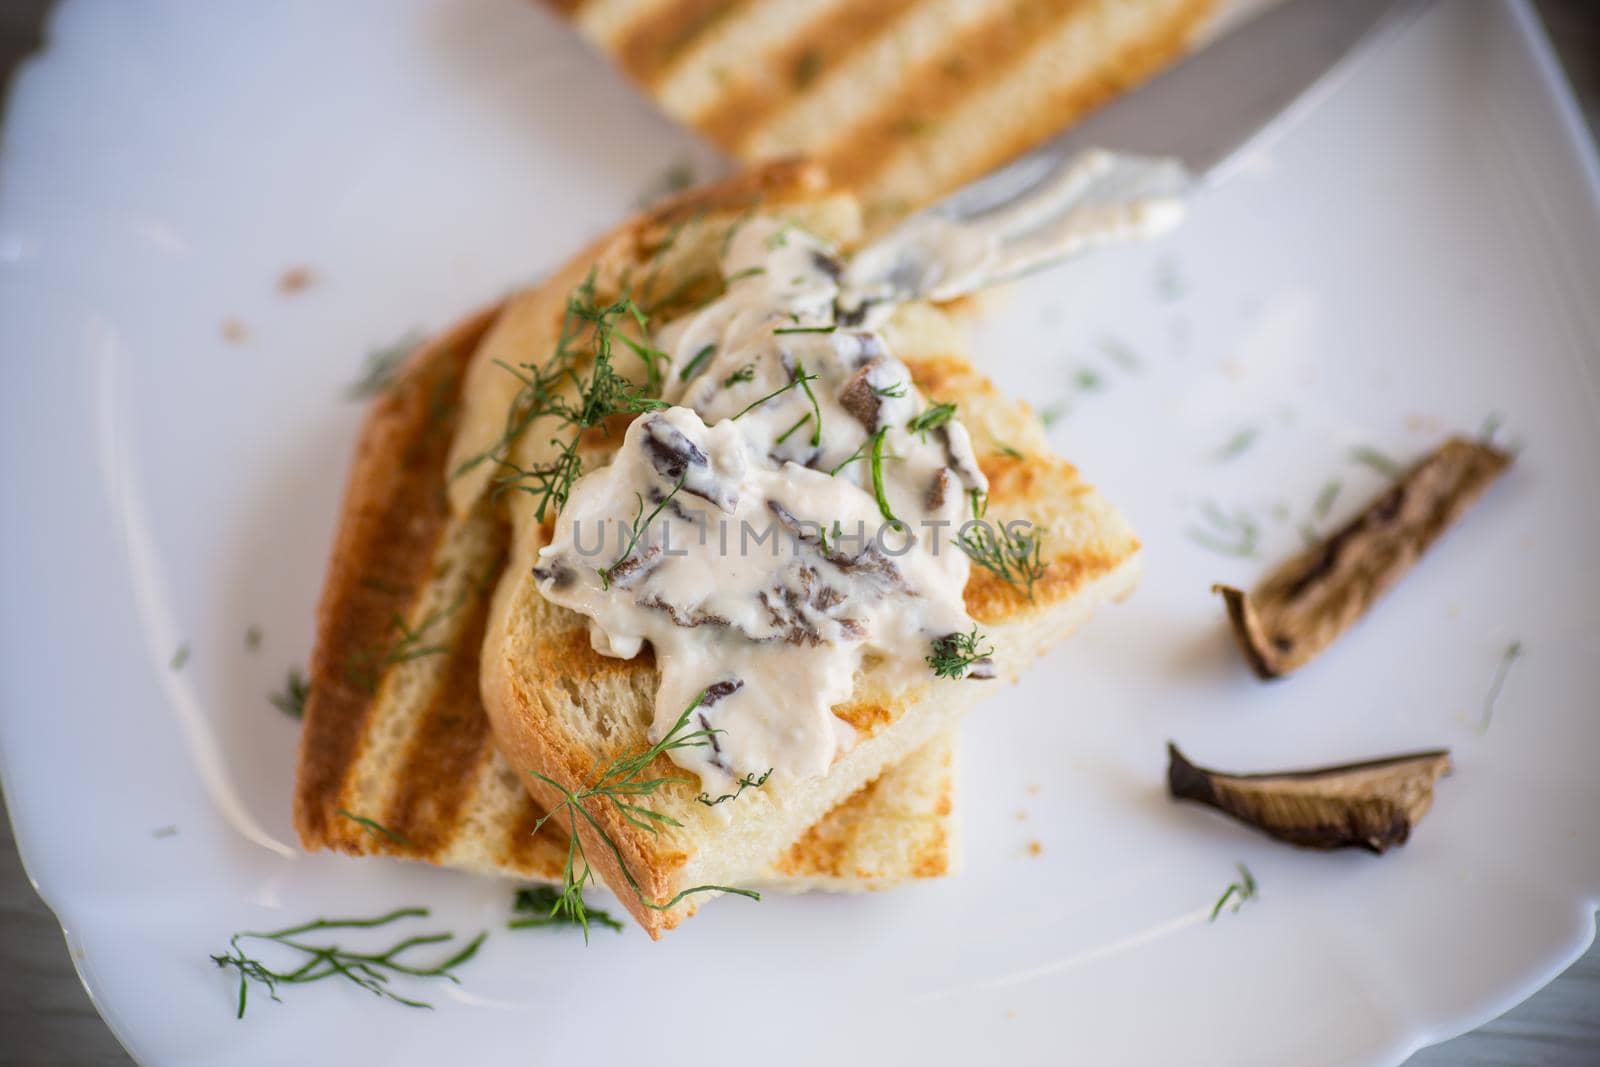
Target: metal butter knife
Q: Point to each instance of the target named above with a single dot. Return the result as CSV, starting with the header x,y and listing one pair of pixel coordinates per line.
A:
x,y
1152,148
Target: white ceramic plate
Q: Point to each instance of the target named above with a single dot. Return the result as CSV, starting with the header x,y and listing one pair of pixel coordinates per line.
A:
x,y
1420,254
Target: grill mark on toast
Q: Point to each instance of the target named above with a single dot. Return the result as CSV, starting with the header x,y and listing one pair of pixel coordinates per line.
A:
x,y
393,512
1131,64
982,57
650,47
978,58
800,62
449,745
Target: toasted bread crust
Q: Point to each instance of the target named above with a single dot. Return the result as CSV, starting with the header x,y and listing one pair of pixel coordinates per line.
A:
x,y
561,709
429,771
390,525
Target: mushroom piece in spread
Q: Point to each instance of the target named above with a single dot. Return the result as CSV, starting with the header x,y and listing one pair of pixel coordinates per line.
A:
x,y
1305,605
1371,805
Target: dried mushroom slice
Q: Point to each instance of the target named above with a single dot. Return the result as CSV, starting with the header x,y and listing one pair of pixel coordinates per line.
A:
x,y
1304,605
1371,805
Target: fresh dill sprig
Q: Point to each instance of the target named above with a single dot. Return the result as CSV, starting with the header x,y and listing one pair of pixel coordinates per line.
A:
x,y
954,654
860,451
1325,498
1238,892
1010,555
1006,450
805,381
785,435
374,827
980,502
1088,380
638,531
252,638
931,418
382,367
1512,653
1228,535
179,657
746,373
749,781
292,699
618,784
800,379
689,368
741,275
371,971
1237,445
1371,457
805,329
598,392
890,392
366,666
540,905
878,491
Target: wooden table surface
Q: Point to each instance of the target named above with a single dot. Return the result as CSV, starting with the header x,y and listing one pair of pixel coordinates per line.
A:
x,y
46,1019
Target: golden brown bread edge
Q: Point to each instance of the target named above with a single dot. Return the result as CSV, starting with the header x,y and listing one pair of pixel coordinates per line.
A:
x,y
531,643
902,100
436,783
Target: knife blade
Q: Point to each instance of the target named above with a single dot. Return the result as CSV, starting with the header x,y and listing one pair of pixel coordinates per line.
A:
x,y
1189,125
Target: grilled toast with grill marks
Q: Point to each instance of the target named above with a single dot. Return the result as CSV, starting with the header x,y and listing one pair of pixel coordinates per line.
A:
x,y
560,709
395,731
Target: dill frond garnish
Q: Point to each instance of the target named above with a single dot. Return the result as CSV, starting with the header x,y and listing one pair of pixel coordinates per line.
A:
x,y
1237,445
370,971
638,531
890,392
1228,535
619,784
749,781
800,379
689,368
805,381
1371,457
860,451
382,366
252,638
746,373
1088,380
954,654
1238,892
1325,498
1006,450
931,418
291,700
601,392
979,499
366,666
1009,555
805,329
1512,653
741,275
785,435
878,491
374,827
540,905
179,657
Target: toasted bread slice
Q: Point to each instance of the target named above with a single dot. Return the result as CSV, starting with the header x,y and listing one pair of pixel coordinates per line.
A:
x,y
903,100
395,732
560,710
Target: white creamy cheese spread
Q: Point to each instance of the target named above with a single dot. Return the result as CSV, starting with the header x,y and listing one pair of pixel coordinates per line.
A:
x,y
787,521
